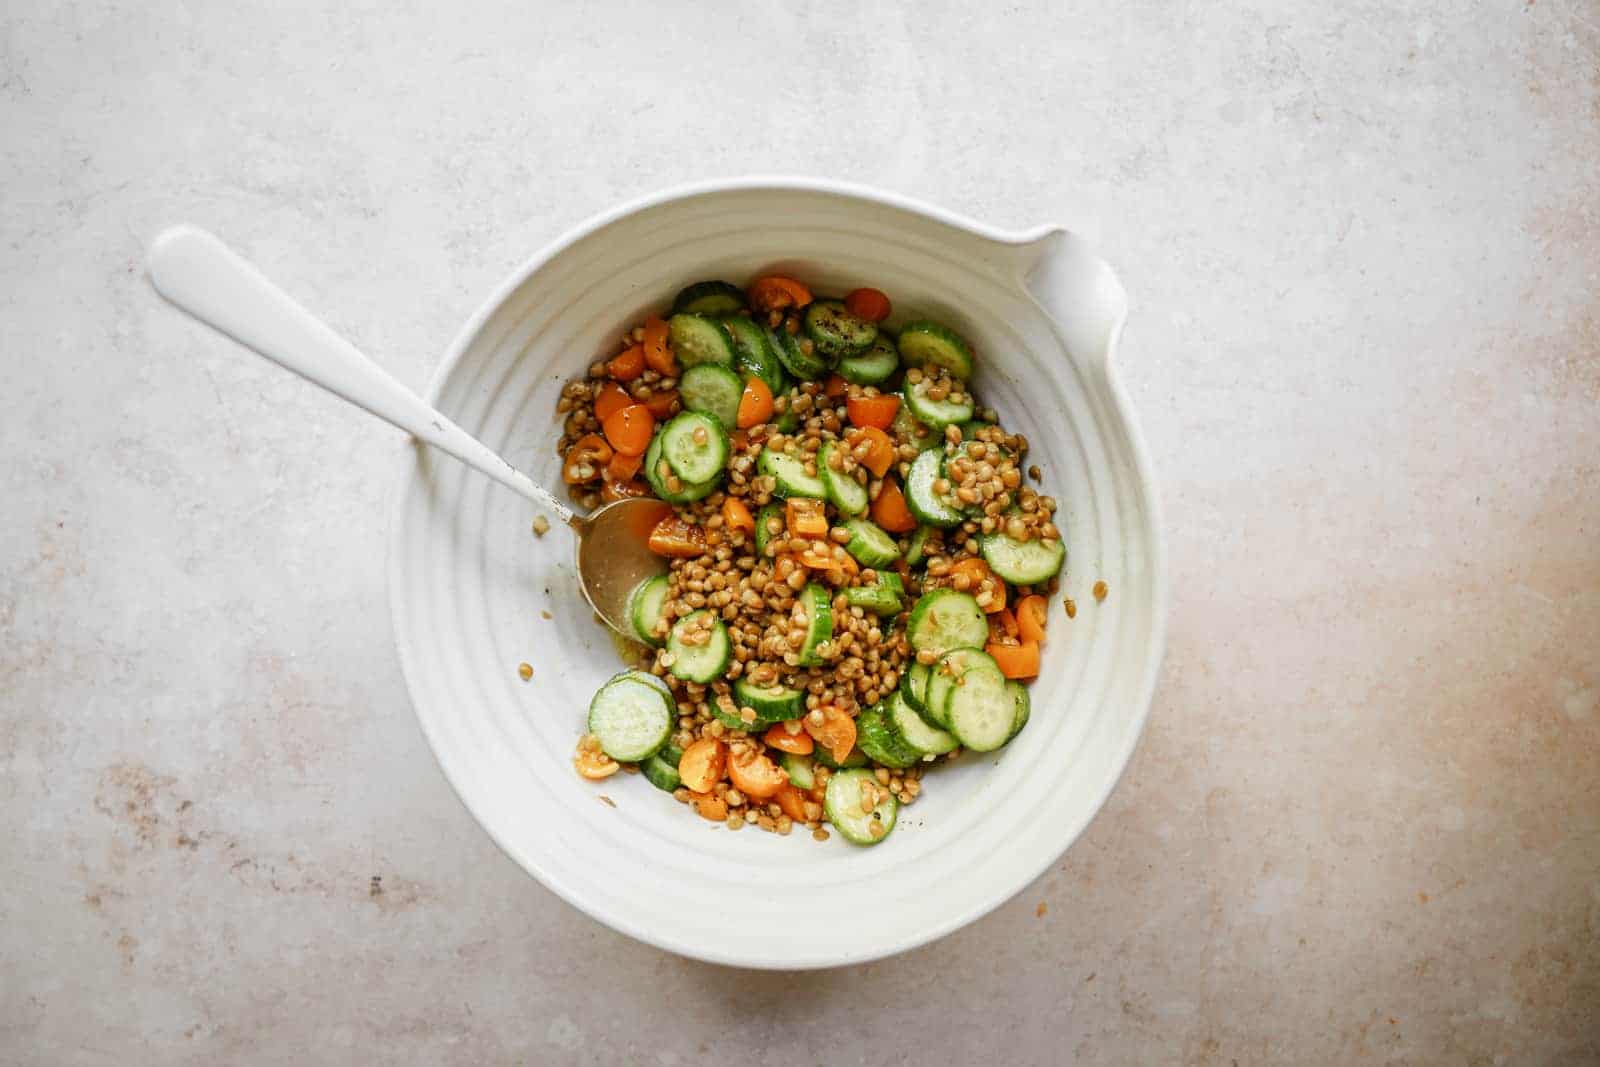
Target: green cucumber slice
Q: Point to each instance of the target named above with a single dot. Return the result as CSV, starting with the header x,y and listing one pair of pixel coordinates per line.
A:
x,y
806,366
709,298
935,413
701,663
880,743
872,367
835,331
694,456
644,608
914,684
789,472
801,774
713,389
754,355
630,718
687,492
905,427
870,545
771,703
945,675
842,802
847,494
1023,562
979,710
882,597
917,548
766,518
1022,704
856,758
661,772
920,497
698,339
813,609
924,343
944,619
913,730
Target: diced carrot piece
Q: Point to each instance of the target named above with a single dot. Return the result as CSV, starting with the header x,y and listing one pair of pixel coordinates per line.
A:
x,y
736,516
738,440
780,738
836,733
657,354
792,801
880,449
663,405
1016,661
889,510
630,429
755,404
709,807
628,366
1002,624
776,292
835,387
1031,614
754,775
875,411
981,583
611,399
623,466
589,451
595,765
613,489
806,518
869,304
673,536
703,764
822,557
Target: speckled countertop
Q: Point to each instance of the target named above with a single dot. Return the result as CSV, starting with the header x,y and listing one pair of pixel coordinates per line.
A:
x,y
1363,245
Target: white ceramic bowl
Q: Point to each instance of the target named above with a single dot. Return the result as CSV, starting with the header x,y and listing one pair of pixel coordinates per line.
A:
x,y
469,581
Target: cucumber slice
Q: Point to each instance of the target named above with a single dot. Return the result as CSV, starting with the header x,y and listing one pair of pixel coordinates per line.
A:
x,y
978,709
944,619
914,684
765,519
905,427
714,390
836,332
913,730
790,474
880,743
1022,706
842,801
847,494
1023,562
920,498
772,703
917,549
803,365
698,339
945,675
935,413
644,608
877,364
669,751
696,457
813,609
709,298
801,774
970,428
856,758
754,355
661,772
786,422
881,598
704,662
870,545
630,718
687,492
922,343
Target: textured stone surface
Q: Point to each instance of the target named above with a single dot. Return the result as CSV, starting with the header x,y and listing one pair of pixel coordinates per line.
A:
x,y
1364,251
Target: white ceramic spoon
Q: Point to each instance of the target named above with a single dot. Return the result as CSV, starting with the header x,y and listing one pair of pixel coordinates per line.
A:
x,y
202,276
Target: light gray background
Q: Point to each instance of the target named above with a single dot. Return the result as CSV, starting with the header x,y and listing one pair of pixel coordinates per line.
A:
x,y
1363,245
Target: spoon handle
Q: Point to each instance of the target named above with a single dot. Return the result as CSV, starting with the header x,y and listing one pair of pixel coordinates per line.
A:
x,y
202,276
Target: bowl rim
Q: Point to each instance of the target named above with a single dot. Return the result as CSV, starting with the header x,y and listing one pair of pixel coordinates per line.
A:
x,y
1148,499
